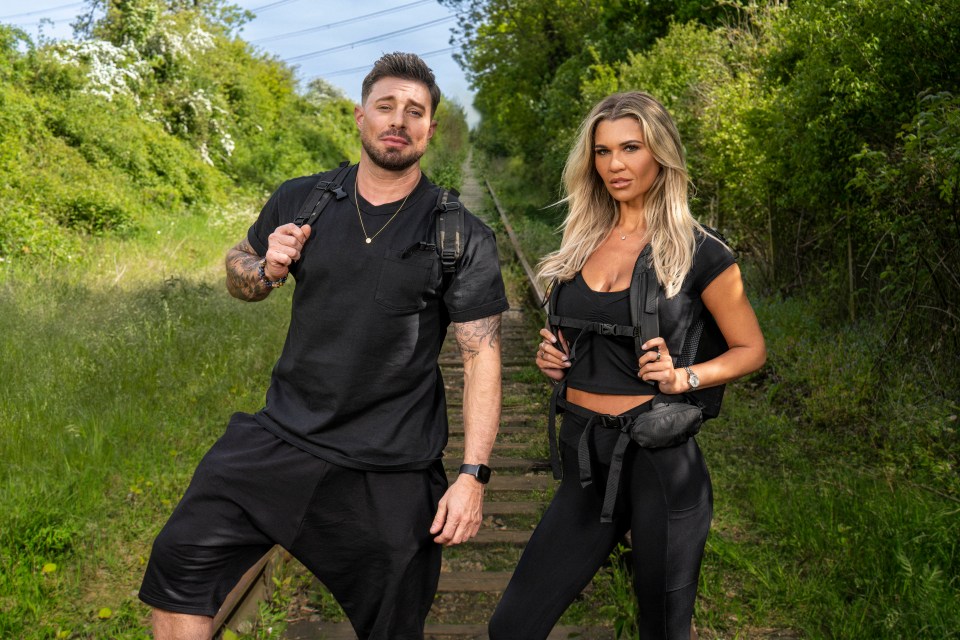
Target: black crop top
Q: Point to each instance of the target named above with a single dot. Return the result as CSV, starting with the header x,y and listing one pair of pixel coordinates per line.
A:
x,y
608,364
604,364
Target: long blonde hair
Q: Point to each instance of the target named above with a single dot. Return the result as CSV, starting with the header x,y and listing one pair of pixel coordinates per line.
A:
x,y
593,211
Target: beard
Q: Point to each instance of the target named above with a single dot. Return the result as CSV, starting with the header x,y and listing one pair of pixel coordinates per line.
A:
x,y
391,159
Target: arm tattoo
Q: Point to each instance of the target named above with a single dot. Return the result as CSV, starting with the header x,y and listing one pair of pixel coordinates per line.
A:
x,y
243,282
472,335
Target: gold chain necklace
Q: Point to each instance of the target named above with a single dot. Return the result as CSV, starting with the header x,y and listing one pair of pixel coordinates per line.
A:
x,y
624,236
356,201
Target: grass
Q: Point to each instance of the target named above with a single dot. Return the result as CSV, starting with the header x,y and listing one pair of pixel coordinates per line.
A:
x,y
804,539
122,368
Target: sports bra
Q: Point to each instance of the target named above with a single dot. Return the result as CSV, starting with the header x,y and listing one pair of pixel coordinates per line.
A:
x,y
604,364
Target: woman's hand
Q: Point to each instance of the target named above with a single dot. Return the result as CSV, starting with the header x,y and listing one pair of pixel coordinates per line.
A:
x,y
551,357
656,365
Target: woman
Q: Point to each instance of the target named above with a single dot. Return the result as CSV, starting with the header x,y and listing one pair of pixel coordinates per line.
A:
x,y
626,189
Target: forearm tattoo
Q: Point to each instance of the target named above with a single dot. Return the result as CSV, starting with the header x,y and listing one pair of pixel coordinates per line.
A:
x,y
471,336
242,279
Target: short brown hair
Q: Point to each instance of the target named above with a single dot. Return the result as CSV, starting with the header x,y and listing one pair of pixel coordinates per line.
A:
x,y
406,66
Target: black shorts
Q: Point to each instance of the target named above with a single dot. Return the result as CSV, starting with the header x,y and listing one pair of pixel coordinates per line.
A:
x,y
364,534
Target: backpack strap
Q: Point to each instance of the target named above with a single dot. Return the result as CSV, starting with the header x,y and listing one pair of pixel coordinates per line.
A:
x,y
559,389
551,304
644,302
320,195
587,326
449,229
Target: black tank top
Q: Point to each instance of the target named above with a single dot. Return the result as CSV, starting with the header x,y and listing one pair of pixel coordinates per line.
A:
x,y
604,364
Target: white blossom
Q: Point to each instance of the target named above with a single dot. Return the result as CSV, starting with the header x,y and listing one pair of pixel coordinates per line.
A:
x,y
176,45
110,70
205,154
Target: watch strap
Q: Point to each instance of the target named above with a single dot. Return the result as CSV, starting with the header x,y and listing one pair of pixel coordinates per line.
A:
x,y
479,471
692,377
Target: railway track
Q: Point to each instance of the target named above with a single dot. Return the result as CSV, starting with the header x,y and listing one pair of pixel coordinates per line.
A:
x,y
474,574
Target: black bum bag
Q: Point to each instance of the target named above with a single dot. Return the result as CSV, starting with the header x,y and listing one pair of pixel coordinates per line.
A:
x,y
669,422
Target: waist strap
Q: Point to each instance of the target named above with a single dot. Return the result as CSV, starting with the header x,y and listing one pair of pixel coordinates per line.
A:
x,y
621,423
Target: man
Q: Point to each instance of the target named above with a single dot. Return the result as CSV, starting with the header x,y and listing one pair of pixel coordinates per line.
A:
x,y
342,465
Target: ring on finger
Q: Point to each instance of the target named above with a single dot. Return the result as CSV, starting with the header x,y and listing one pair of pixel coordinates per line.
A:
x,y
658,356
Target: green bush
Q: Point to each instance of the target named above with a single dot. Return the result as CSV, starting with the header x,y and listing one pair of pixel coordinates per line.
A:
x,y
448,148
150,115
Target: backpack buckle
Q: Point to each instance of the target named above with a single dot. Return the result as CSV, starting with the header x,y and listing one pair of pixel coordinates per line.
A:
x,y
330,185
605,329
448,206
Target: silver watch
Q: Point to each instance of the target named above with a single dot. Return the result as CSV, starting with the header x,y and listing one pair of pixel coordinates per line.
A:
x,y
694,380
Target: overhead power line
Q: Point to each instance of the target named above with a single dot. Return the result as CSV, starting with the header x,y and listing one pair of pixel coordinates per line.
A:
x,y
40,11
340,23
271,5
384,36
346,72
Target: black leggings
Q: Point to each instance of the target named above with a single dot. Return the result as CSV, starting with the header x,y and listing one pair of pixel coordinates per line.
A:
x,y
665,499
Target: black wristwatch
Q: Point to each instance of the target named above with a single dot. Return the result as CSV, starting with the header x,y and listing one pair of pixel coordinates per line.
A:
x,y
479,471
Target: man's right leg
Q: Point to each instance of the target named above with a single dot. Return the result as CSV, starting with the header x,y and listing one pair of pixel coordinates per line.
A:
x,y
248,493
168,625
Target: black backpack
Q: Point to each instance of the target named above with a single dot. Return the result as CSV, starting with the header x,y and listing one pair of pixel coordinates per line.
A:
x,y
448,225
703,340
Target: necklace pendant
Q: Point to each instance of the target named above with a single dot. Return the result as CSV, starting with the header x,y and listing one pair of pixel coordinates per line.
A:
x,y
369,240
623,237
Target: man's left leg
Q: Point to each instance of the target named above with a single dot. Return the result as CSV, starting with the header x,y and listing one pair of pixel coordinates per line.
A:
x,y
367,538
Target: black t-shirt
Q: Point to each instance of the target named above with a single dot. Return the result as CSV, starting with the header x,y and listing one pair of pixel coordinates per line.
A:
x,y
608,364
358,383
604,364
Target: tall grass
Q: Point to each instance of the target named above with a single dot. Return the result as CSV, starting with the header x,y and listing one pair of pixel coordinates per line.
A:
x,y
120,369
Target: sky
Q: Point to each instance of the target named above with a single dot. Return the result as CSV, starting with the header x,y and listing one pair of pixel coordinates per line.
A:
x,y
336,40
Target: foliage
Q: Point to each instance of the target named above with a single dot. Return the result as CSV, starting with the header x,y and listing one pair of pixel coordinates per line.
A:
x,y
821,137
616,588
157,108
448,148
914,213
533,63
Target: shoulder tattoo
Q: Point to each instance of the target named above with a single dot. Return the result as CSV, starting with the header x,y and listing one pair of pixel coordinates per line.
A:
x,y
476,335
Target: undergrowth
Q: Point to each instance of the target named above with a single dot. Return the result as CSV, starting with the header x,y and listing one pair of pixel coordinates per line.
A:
x,y
128,363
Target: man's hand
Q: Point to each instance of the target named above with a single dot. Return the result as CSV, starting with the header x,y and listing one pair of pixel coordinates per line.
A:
x,y
283,249
459,513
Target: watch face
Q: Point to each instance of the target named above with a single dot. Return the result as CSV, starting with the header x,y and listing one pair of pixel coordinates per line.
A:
x,y
483,473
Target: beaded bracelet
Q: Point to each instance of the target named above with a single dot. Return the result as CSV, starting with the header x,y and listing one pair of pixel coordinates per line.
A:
x,y
262,272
